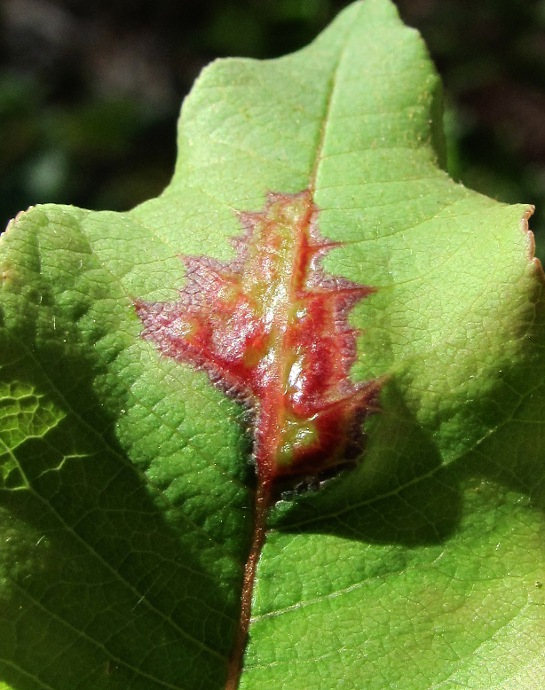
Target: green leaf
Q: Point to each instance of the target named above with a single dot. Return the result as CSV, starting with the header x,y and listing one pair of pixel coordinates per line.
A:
x,y
127,499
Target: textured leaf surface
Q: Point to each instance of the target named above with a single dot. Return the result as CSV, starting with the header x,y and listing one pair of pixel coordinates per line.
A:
x,y
127,496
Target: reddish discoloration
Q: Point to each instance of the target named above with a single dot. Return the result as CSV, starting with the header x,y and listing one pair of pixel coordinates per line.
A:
x,y
271,327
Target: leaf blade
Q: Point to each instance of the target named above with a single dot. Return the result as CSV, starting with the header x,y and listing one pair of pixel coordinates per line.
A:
x,y
459,297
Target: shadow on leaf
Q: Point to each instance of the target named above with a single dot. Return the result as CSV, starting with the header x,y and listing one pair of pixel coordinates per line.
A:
x,y
399,492
98,589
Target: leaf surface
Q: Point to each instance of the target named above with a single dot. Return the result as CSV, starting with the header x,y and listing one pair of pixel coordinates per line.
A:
x,y
127,503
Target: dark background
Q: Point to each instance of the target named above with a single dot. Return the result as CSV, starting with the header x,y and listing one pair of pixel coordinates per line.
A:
x,y
90,90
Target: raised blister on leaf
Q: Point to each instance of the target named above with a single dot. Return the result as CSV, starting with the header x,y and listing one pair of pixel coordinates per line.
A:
x,y
271,327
